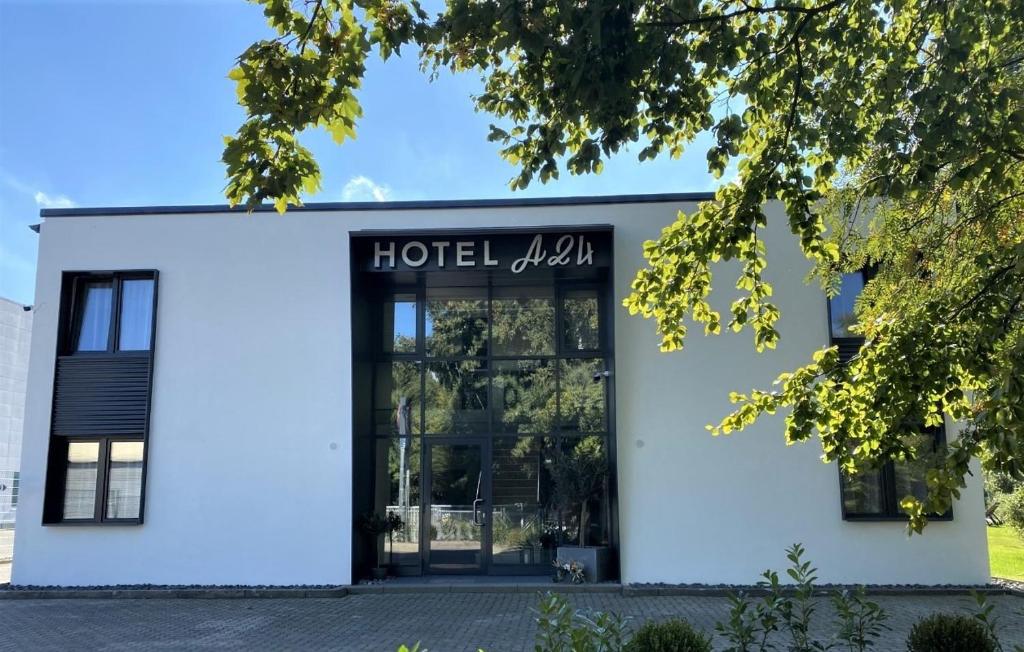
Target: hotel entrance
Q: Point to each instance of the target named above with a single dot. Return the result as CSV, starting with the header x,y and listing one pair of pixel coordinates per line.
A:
x,y
483,401
456,499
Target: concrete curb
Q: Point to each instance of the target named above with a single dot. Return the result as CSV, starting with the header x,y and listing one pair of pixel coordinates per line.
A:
x,y
633,590
628,590
170,594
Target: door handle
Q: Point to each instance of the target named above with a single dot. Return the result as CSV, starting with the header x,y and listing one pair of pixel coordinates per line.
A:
x,y
476,512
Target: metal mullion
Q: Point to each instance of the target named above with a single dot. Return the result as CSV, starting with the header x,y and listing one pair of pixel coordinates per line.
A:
x,y
457,358
489,356
103,459
115,308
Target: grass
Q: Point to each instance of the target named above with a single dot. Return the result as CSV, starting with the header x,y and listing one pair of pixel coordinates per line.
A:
x,y
1006,553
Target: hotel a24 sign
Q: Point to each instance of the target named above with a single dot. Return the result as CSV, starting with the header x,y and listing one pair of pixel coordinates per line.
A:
x,y
513,252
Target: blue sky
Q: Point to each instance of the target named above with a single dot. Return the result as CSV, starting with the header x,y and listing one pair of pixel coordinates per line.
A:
x,y
125,103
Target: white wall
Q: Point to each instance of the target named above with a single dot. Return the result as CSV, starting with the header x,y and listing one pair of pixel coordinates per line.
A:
x,y
249,467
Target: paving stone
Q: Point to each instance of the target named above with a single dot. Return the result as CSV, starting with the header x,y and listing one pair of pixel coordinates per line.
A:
x,y
380,622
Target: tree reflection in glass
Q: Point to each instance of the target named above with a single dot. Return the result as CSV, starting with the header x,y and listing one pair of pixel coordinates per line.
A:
x,y
524,396
580,488
862,492
523,321
522,521
398,492
911,475
580,321
456,323
456,397
582,400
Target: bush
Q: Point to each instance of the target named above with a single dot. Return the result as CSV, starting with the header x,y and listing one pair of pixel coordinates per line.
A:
x,y
950,633
1012,510
560,628
670,636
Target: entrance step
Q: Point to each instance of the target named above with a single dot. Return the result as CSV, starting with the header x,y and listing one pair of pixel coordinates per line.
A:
x,y
435,584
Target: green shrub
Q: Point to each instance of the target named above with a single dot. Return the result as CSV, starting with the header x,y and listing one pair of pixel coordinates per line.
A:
x,y
1011,510
998,482
560,628
950,633
670,636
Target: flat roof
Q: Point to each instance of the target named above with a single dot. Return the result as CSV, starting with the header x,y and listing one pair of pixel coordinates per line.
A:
x,y
511,202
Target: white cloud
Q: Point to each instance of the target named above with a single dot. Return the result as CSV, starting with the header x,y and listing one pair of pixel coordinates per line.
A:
x,y
59,201
43,200
365,189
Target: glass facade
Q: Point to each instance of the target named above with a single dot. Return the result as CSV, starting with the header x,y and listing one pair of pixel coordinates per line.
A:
x,y
489,417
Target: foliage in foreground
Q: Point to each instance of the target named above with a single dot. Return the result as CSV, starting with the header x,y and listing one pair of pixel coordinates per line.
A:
x,y
675,635
949,633
784,612
788,610
560,628
892,132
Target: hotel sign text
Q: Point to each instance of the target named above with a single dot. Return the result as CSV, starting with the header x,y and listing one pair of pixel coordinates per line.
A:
x,y
515,253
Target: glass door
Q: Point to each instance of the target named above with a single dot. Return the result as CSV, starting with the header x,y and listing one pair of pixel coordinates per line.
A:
x,y
458,487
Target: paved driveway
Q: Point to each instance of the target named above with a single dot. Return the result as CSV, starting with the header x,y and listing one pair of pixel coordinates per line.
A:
x,y
380,622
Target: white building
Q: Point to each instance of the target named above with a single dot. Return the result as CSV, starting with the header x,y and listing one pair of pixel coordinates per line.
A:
x,y
217,398
15,334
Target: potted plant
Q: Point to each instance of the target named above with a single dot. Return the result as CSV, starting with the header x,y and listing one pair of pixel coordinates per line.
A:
x,y
394,524
376,525
580,476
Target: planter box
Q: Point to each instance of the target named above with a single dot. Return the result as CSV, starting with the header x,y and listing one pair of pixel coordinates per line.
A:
x,y
596,560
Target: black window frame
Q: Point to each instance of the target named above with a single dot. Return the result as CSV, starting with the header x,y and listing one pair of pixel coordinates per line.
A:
x,y
848,347
56,468
59,460
74,316
887,488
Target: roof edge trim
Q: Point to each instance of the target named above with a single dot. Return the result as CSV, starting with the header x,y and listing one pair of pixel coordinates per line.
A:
x,y
585,200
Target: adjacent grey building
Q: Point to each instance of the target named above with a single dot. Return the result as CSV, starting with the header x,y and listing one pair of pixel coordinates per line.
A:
x,y
15,334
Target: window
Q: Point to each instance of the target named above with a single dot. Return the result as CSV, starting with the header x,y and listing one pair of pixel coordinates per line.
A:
x,y
524,366
112,312
14,489
876,494
102,390
841,315
102,480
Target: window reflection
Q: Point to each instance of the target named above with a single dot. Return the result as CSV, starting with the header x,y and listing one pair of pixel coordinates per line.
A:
x,y
93,314
580,489
524,321
524,396
911,476
456,322
124,479
862,493
842,305
580,321
397,400
582,400
398,493
136,320
524,521
80,480
456,397
399,324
